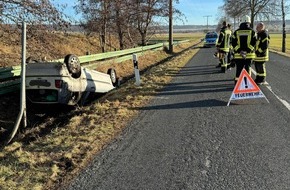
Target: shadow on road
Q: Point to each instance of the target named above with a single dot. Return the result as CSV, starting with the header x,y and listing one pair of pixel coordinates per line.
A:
x,y
205,88
184,105
192,88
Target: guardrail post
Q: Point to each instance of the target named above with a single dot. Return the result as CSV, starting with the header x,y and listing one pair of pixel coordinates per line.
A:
x,y
136,69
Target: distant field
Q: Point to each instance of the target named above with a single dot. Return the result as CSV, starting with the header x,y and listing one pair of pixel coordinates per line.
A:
x,y
276,42
179,36
275,39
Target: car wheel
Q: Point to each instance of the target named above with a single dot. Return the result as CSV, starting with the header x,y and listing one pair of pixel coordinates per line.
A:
x,y
30,60
74,98
73,65
113,76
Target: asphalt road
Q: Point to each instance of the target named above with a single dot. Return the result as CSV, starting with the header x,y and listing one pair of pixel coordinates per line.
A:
x,y
187,138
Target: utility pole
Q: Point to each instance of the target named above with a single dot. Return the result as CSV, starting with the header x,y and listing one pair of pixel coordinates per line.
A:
x,y
207,21
170,28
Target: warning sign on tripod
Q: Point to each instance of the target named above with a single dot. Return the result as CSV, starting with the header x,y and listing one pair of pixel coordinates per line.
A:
x,y
246,88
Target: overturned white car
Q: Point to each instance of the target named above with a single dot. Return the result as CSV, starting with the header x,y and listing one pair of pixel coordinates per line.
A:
x,y
65,83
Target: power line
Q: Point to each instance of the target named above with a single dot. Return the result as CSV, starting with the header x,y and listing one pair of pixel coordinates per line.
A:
x,y
207,20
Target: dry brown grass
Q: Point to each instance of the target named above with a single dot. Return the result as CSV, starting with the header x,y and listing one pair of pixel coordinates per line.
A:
x,y
54,158
49,45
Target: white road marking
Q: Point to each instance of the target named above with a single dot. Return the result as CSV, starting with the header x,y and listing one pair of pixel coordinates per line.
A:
x,y
162,97
284,102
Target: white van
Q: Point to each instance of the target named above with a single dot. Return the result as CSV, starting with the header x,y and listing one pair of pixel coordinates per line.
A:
x,y
65,83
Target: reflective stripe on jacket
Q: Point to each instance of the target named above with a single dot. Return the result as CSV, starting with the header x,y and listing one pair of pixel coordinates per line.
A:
x,y
224,41
262,51
244,39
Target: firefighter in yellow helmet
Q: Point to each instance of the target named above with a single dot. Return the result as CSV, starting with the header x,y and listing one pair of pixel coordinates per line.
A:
x,y
223,46
262,53
244,42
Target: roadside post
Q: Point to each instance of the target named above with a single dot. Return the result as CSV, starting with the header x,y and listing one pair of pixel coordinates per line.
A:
x,y
88,53
136,69
22,113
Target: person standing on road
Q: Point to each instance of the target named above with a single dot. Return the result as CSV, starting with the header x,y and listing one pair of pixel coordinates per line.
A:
x,y
244,42
262,53
231,63
223,46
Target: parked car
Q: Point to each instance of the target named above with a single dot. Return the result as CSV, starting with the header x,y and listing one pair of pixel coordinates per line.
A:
x,y
210,39
65,83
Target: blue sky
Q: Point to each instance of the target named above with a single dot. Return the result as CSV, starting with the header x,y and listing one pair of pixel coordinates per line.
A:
x,y
195,11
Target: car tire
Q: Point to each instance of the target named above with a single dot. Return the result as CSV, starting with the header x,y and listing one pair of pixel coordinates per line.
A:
x,y
74,98
30,60
73,65
113,76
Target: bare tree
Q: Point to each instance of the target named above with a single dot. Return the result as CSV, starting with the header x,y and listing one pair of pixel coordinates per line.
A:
x,y
30,11
235,8
41,17
263,9
121,25
278,10
143,14
96,16
119,13
127,19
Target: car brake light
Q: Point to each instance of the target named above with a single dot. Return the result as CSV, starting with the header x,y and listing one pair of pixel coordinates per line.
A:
x,y
58,83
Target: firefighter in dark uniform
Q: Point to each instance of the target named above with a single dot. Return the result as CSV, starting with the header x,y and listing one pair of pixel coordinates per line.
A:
x,y
262,53
231,63
223,46
244,42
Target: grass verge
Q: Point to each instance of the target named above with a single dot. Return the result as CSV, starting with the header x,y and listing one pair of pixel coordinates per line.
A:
x,y
276,43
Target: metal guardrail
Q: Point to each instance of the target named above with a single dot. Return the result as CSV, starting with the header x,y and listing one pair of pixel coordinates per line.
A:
x,y
113,54
9,76
9,79
10,86
9,72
